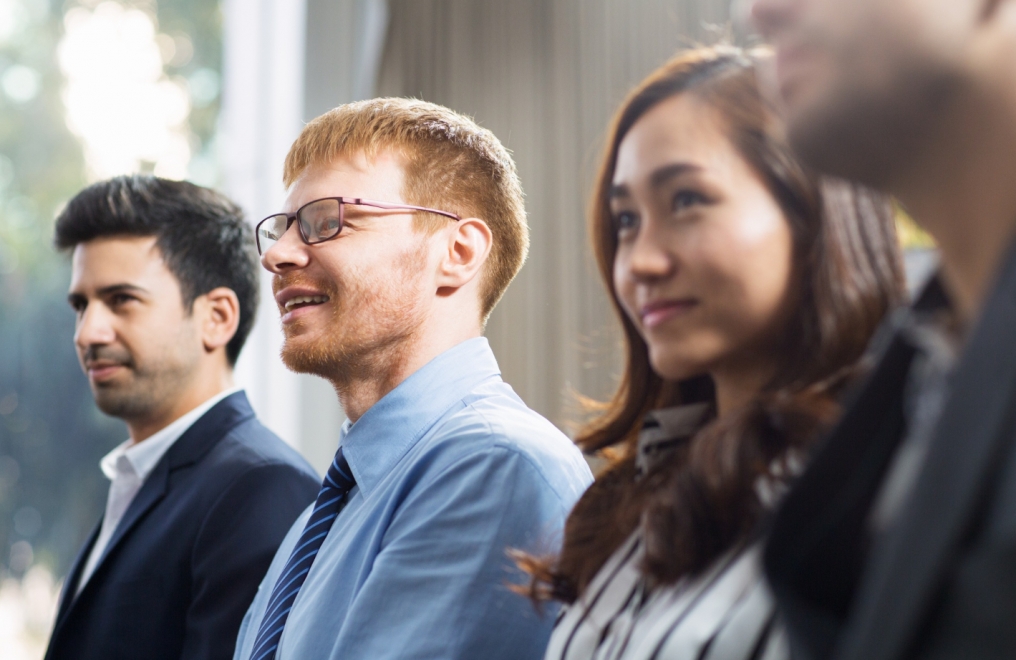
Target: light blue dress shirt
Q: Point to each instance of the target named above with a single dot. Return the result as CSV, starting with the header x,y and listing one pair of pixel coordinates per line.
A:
x,y
452,469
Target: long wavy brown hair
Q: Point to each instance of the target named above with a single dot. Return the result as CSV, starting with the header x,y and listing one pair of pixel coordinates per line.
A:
x,y
705,500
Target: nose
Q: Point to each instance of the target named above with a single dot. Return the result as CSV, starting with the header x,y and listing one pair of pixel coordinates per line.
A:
x,y
94,327
771,16
287,254
648,257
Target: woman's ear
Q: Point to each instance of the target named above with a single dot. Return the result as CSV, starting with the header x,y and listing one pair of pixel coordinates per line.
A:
x,y
220,316
468,247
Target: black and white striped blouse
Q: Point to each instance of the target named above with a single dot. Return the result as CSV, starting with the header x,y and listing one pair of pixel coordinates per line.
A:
x,y
726,613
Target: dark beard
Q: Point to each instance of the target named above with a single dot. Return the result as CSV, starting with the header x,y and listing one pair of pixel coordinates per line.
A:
x,y
146,392
876,140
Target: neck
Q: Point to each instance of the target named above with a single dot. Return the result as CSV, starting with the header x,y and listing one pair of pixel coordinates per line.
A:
x,y
736,387
961,191
201,389
362,384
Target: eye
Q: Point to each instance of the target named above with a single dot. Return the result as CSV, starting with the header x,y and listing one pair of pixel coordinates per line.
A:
x,y
330,227
78,305
625,223
120,299
685,199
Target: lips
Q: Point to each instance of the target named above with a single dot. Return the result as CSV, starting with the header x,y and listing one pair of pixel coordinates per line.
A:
x,y
100,371
294,300
660,311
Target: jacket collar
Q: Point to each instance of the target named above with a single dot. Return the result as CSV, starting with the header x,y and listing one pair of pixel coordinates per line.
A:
x,y
393,425
191,447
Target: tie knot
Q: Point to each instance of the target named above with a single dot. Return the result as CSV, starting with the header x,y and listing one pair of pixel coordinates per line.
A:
x,y
339,475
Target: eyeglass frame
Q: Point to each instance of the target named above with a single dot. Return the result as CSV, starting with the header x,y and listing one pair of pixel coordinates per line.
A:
x,y
343,201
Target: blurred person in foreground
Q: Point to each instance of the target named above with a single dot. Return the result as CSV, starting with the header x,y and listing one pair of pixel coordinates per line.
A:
x,y
403,226
900,540
164,287
748,288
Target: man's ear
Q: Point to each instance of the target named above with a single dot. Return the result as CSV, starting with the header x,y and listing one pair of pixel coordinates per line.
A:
x,y
219,314
468,247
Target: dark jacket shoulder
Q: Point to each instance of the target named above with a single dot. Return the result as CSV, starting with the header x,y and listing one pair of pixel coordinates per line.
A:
x,y
187,558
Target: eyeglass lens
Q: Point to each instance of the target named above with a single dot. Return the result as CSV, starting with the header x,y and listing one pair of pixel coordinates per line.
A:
x,y
319,221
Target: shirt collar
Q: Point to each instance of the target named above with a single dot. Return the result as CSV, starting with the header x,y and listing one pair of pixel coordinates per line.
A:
x,y
933,296
389,429
666,429
144,455
931,324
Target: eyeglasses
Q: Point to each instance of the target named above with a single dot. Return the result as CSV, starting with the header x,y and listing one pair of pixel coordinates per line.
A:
x,y
322,220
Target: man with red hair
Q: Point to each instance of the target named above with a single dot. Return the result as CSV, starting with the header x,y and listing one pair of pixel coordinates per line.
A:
x,y
402,228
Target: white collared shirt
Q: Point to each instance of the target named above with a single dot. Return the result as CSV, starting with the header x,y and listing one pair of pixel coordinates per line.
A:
x,y
127,467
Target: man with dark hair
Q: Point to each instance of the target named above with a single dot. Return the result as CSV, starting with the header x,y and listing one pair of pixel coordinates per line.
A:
x,y
899,541
164,285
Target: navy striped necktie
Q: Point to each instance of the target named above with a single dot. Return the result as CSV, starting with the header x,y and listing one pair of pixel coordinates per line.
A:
x,y
337,484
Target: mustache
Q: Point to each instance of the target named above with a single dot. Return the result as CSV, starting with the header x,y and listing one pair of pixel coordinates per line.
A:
x,y
107,354
280,282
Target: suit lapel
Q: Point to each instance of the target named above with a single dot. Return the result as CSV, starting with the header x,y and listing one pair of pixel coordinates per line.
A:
x,y
151,493
814,555
71,583
190,448
907,565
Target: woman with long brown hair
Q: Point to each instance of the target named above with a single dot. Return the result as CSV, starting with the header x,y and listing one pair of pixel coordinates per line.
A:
x,y
748,289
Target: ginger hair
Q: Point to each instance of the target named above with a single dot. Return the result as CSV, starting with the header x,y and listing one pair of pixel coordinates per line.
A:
x,y
451,163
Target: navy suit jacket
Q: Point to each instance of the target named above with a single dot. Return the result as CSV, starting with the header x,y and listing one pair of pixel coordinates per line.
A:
x,y
184,563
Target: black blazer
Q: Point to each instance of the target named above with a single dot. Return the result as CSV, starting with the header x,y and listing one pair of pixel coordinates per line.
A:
x,y
941,582
185,562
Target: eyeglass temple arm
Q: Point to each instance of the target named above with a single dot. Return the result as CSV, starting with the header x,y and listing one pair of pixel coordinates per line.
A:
x,y
395,207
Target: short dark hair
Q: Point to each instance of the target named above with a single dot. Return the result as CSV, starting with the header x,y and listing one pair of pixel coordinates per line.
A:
x,y
201,233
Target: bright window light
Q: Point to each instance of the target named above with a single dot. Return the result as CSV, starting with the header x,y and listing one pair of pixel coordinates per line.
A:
x,y
128,114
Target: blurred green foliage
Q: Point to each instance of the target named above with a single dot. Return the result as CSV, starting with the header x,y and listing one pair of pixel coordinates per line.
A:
x,y
51,435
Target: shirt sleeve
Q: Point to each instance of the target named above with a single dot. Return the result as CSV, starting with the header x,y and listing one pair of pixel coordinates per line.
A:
x,y
439,587
234,548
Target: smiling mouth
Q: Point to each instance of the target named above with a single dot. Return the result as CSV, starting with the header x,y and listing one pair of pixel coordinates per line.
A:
x,y
658,313
304,301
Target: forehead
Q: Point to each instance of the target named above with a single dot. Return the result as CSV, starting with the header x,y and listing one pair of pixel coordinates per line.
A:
x,y
115,260
377,177
679,130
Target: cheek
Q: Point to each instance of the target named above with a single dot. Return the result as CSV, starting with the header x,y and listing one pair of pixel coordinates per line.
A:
x,y
740,269
624,285
165,338
747,270
388,286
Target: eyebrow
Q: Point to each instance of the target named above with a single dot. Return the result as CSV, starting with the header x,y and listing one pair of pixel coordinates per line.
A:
x,y
109,290
664,174
658,178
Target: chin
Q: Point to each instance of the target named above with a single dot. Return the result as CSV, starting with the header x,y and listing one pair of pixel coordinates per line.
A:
x,y
865,135
303,359
675,367
123,402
